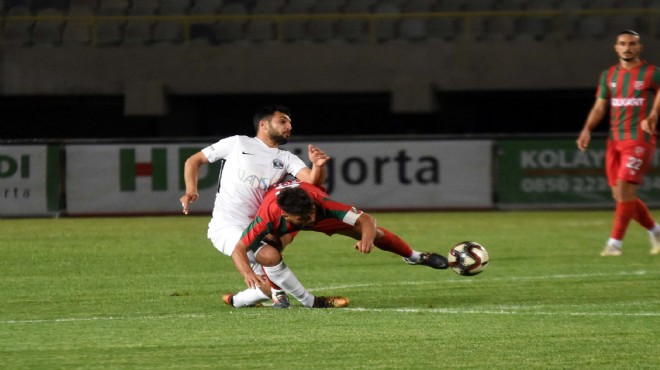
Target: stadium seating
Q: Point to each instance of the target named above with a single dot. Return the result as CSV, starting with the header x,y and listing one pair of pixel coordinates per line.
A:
x,y
355,29
17,33
387,28
78,32
536,28
48,32
323,29
446,28
334,21
231,30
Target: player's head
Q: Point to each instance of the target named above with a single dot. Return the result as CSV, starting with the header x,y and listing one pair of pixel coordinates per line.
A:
x,y
297,207
628,46
273,121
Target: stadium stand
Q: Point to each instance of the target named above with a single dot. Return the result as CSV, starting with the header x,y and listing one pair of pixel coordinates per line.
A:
x,y
323,29
295,30
355,29
387,28
262,30
38,5
503,28
48,28
400,51
90,4
446,28
535,28
475,27
231,30
412,28
17,33
78,32
124,22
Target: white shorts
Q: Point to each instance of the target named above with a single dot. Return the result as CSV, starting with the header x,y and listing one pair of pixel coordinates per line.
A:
x,y
225,239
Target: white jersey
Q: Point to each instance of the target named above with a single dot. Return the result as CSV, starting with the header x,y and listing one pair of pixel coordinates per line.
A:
x,y
250,167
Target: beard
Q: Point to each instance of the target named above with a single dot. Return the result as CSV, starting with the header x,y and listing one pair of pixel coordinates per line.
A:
x,y
279,139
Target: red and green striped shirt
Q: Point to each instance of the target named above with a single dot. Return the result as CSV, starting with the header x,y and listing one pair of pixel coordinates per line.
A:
x,y
331,215
631,93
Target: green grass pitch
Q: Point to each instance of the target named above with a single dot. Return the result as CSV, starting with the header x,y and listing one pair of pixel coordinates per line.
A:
x,y
143,293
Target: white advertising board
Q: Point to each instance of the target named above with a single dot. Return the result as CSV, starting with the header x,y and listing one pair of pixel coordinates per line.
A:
x,y
417,175
382,175
127,178
28,186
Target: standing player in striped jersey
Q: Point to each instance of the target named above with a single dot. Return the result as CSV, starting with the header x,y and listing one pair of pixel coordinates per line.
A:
x,y
630,88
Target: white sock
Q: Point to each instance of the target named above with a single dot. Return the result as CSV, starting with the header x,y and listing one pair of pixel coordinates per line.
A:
x,y
415,256
615,243
655,230
282,276
273,292
248,297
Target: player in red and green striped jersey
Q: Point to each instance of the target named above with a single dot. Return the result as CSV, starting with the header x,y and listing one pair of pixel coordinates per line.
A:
x,y
630,89
293,206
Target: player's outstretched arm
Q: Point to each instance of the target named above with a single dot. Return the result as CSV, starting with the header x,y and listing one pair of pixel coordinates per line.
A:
x,y
190,176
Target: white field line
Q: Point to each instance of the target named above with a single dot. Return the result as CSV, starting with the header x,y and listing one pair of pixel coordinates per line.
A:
x,y
105,318
499,310
480,280
519,310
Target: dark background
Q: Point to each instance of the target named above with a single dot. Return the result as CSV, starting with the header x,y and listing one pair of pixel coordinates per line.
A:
x,y
344,115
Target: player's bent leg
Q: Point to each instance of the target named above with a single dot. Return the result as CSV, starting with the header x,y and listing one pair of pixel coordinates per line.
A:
x,y
281,275
269,255
246,298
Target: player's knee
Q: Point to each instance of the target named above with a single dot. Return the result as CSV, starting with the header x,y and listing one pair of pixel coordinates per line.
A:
x,y
268,256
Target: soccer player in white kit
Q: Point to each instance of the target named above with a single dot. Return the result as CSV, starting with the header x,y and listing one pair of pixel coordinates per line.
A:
x,y
250,165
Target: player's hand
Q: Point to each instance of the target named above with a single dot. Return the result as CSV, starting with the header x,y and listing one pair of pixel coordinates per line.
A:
x,y
186,199
317,156
254,281
650,124
583,140
364,247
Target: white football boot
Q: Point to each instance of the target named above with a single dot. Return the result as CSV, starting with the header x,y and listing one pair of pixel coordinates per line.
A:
x,y
611,250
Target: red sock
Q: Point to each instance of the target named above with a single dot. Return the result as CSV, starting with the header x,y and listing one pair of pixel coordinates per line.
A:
x,y
625,211
643,216
392,243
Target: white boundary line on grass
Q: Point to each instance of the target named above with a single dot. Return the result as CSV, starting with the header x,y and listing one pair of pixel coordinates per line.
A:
x,y
517,311
513,310
474,279
106,318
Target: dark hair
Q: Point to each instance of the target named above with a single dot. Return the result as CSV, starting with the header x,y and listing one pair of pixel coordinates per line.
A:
x,y
295,201
268,111
629,32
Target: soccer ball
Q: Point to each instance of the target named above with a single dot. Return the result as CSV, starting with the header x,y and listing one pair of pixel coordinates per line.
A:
x,y
468,258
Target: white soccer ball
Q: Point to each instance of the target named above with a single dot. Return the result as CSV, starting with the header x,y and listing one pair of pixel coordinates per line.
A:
x,y
468,258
